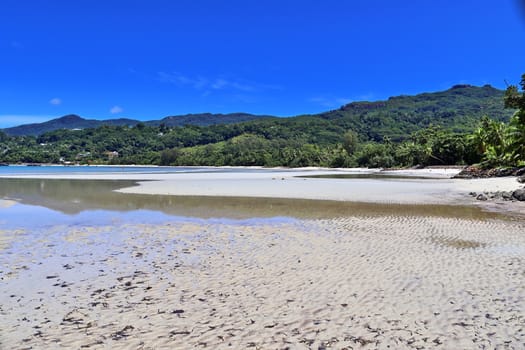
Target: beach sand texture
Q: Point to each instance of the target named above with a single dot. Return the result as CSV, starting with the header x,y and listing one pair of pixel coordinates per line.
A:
x,y
358,282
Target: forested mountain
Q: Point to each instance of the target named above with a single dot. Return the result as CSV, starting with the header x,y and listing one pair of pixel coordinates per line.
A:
x,y
205,119
73,121
425,129
458,109
70,121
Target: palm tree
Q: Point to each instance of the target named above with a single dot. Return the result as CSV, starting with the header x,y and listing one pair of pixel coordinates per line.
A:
x,y
516,99
517,139
492,140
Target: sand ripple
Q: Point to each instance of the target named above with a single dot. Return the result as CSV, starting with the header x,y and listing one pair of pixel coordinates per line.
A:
x,y
396,282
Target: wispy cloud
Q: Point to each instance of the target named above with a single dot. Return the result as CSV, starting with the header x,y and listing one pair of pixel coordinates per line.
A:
x,y
182,80
10,120
55,101
209,84
116,110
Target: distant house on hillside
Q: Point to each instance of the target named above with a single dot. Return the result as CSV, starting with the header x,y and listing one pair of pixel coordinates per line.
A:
x,y
111,154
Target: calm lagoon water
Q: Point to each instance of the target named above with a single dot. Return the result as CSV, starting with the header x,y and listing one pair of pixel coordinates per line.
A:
x,y
39,203
92,200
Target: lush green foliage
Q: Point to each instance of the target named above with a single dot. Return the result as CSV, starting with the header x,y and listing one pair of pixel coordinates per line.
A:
x,y
303,142
458,109
427,129
503,144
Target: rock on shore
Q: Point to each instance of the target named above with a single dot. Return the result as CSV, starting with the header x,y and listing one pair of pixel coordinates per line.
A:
x,y
474,172
516,195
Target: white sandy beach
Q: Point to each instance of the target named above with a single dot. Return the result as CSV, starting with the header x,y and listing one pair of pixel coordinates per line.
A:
x,y
359,281
285,185
351,283
437,188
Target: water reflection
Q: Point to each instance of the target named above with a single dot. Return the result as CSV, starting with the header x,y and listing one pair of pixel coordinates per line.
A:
x,y
75,196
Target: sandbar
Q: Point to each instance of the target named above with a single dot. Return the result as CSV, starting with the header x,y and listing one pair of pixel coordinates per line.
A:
x,y
418,186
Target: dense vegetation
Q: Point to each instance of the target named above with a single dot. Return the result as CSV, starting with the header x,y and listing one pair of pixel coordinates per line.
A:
x,y
503,144
458,109
426,129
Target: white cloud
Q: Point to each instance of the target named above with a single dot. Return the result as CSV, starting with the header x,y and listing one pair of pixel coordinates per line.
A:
x,y
182,80
116,110
55,101
219,84
216,83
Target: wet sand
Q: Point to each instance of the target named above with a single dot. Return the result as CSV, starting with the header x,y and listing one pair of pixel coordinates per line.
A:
x,y
401,282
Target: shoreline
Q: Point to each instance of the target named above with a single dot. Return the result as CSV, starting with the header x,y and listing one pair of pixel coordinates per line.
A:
x,y
416,186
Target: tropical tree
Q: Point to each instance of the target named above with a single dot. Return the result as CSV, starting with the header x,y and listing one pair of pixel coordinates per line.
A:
x,y
492,141
502,144
517,140
350,141
516,99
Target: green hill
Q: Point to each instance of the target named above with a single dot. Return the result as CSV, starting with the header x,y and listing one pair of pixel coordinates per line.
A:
x,y
70,121
205,119
73,121
458,109
244,139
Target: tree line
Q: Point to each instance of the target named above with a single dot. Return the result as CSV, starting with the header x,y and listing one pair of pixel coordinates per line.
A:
x,y
291,142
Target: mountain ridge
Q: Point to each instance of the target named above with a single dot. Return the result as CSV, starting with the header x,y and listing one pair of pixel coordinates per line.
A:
x,y
73,121
460,106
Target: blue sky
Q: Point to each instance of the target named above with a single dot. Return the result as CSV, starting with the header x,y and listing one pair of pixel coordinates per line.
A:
x,y
152,58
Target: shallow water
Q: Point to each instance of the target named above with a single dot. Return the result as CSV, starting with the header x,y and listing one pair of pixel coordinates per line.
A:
x,y
73,197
